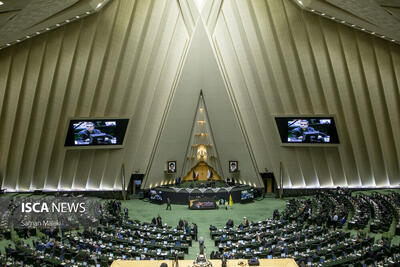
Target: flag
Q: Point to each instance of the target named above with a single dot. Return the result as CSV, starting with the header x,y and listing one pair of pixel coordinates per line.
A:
x,y
197,175
194,175
230,200
208,174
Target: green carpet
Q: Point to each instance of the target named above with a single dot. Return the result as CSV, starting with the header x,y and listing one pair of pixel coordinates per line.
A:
x,y
255,211
144,211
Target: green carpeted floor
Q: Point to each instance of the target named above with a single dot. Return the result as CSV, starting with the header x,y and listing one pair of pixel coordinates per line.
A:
x,y
144,211
255,211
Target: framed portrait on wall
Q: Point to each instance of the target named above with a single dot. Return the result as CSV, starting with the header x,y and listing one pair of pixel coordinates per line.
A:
x,y
233,166
171,166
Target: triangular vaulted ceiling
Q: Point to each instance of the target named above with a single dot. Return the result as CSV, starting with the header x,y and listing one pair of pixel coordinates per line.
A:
x,y
201,73
201,146
269,57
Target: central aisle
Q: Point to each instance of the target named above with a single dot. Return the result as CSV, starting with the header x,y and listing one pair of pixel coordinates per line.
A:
x,y
255,211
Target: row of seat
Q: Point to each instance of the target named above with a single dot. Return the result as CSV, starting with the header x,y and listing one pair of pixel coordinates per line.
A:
x,y
115,237
308,231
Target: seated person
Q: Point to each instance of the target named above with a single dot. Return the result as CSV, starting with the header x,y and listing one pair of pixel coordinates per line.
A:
x,y
276,215
212,256
86,135
159,221
245,222
300,132
9,250
180,224
229,223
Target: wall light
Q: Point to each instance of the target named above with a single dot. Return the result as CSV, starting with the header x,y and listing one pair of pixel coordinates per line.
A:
x,y
351,25
56,25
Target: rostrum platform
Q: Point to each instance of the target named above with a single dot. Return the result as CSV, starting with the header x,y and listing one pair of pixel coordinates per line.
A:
x,y
216,263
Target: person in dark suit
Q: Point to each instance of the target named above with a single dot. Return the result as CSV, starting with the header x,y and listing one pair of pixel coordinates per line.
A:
x,y
168,204
299,131
245,222
229,223
86,135
9,250
201,245
195,231
159,221
181,224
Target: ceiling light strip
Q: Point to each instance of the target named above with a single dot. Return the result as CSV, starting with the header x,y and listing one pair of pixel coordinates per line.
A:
x,y
351,25
57,25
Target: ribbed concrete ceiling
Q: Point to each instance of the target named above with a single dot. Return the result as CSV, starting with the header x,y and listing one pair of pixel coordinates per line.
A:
x,y
127,61
21,19
378,17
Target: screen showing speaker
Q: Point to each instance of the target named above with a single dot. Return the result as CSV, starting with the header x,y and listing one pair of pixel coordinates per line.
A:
x,y
96,132
155,196
247,194
307,130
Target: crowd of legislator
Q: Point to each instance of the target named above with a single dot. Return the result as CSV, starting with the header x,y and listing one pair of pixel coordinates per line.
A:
x,y
114,237
315,231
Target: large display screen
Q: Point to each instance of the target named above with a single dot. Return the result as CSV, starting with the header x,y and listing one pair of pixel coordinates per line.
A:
x,y
247,194
156,196
96,132
307,130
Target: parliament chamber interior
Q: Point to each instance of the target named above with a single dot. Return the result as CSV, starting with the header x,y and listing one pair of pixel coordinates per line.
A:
x,y
199,133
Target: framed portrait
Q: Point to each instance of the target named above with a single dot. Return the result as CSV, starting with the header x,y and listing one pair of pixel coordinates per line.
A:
x,y
171,166
233,166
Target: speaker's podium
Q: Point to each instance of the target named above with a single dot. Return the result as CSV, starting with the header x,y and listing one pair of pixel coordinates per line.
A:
x,y
215,263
